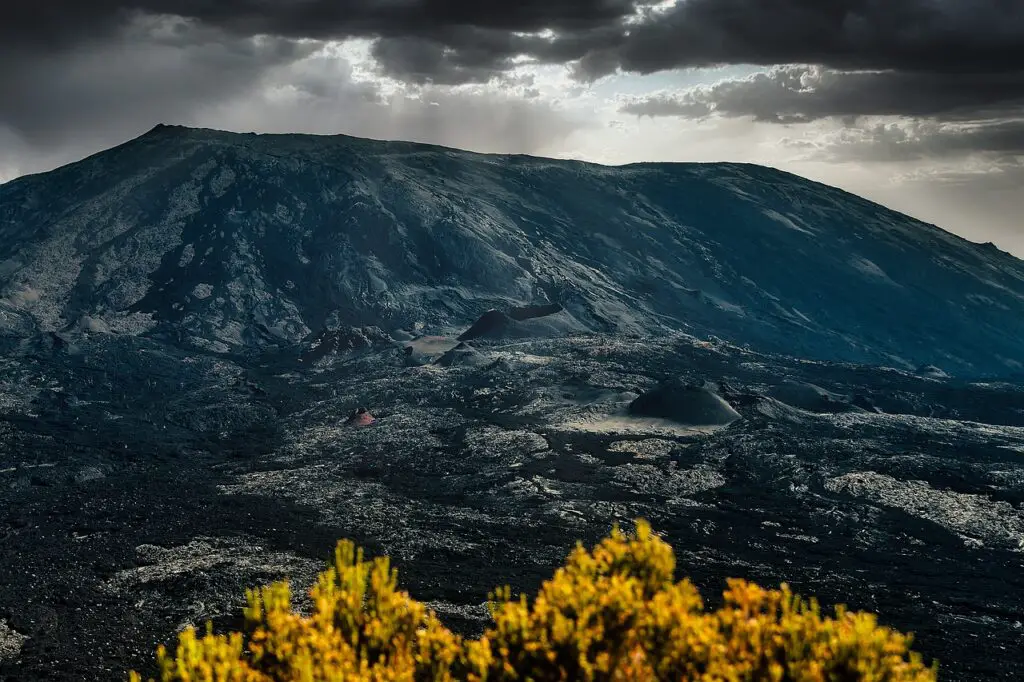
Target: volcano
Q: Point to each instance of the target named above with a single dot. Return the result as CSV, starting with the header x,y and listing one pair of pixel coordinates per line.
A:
x,y
789,382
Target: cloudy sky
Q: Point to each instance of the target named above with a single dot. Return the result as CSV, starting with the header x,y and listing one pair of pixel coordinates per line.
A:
x,y
918,104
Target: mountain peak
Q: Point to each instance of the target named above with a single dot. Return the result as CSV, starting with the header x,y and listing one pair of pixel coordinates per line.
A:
x,y
165,128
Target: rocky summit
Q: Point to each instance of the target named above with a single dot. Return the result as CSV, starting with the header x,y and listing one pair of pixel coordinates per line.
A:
x,y
219,353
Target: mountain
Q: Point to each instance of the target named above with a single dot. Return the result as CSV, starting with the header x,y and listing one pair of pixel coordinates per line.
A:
x,y
783,378
230,242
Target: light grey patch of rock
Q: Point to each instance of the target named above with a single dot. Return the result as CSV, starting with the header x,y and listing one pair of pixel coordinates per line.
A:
x,y
11,642
131,324
1012,479
204,554
976,519
202,291
188,252
43,284
650,448
366,508
220,183
670,482
89,473
219,570
495,442
209,345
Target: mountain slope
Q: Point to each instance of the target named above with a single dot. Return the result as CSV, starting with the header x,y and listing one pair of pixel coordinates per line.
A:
x,y
229,241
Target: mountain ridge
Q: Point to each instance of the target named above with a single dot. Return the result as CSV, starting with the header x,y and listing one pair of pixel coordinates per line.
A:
x,y
299,233
160,128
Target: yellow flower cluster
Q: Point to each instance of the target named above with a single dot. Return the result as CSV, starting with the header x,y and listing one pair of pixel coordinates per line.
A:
x,y
614,613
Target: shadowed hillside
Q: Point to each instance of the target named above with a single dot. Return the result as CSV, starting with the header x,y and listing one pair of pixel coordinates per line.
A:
x,y
225,241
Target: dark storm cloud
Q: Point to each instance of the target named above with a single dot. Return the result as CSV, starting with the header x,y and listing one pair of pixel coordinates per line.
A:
x,y
61,102
422,60
470,40
940,55
438,41
157,70
56,20
945,36
70,65
807,93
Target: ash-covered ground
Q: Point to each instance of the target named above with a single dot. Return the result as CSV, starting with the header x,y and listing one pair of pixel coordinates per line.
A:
x,y
143,487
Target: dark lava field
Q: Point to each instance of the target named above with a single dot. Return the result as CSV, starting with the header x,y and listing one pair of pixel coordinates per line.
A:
x,y
789,382
151,497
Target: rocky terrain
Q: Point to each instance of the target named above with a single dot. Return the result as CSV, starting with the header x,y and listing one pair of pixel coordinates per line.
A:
x,y
791,383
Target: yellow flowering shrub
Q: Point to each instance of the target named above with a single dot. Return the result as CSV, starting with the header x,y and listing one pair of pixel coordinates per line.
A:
x,y
613,613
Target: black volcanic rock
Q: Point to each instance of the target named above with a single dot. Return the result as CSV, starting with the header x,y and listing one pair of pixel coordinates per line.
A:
x,y
684,403
339,341
170,480
534,321
533,311
463,355
865,403
491,323
15,322
806,396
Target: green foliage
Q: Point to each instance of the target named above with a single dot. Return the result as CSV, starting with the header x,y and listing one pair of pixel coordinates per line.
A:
x,y
613,613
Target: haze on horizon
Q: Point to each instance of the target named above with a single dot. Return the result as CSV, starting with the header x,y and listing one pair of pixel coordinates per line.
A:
x,y
916,104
